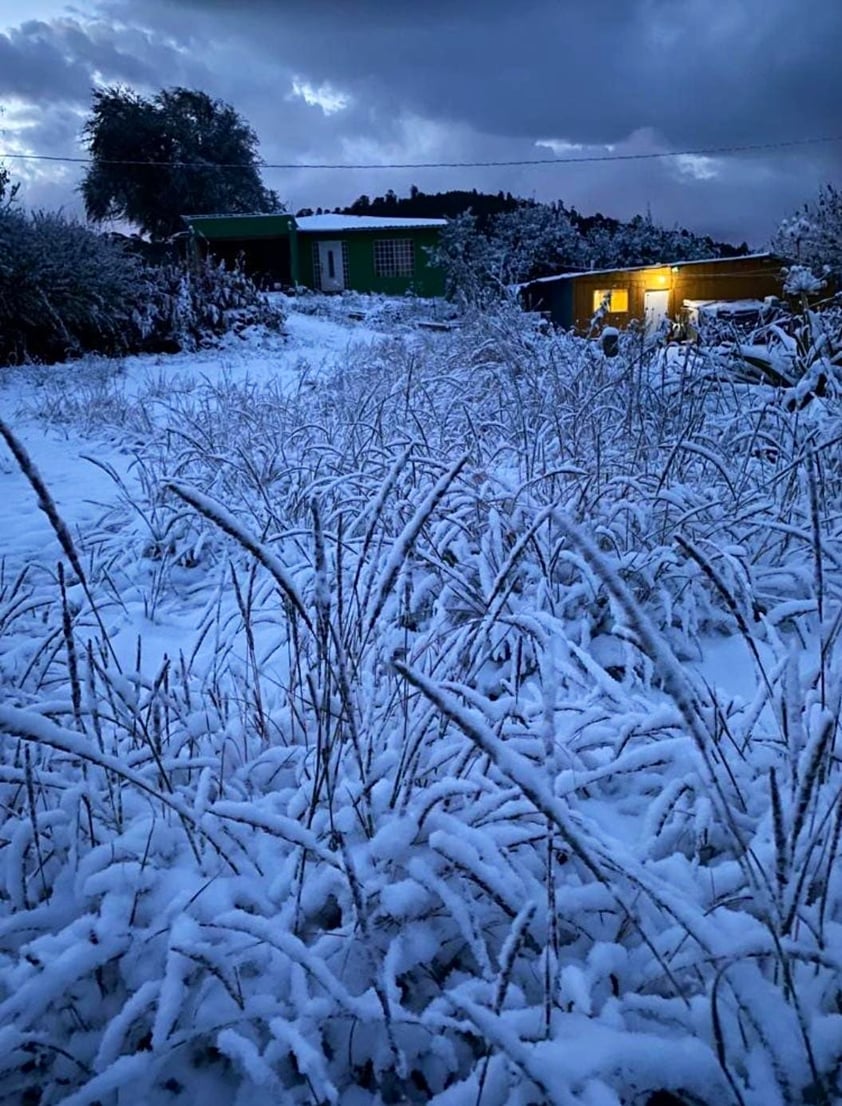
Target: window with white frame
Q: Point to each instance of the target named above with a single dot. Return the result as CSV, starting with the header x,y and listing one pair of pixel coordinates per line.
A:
x,y
394,257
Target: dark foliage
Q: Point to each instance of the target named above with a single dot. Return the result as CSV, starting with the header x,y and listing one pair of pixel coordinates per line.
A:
x,y
63,290
8,191
177,153
602,240
193,306
813,236
439,205
66,291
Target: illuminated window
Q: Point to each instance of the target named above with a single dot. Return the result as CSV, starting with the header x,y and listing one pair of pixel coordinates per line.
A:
x,y
615,300
394,257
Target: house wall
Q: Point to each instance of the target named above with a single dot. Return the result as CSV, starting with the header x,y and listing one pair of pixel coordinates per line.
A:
x,y
267,244
242,226
266,260
732,279
427,280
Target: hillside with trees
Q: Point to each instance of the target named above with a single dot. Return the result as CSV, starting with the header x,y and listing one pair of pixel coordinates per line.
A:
x,y
518,239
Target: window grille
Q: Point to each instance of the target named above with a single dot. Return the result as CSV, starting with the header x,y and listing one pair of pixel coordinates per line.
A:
x,y
394,257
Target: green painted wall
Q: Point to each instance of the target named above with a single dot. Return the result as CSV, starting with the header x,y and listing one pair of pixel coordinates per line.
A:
x,y
426,281
269,243
241,226
241,230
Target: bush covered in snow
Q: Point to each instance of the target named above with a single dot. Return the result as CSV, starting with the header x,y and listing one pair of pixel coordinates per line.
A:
x,y
813,236
189,306
65,291
447,802
795,346
481,260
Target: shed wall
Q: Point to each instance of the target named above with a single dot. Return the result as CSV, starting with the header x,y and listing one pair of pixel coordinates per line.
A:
x,y
266,260
242,226
734,279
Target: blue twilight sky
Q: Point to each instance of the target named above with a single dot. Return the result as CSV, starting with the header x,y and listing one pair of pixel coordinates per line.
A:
x,y
454,80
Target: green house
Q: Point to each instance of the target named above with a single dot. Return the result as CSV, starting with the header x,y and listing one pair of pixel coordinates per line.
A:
x,y
328,253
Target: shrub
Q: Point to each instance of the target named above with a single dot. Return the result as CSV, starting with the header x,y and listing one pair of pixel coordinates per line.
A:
x,y
65,291
188,307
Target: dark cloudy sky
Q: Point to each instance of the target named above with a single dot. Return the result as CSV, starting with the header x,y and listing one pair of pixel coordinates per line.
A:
x,y
380,81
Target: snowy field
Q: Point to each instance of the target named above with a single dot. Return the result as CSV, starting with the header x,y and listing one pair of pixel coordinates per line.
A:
x,y
398,715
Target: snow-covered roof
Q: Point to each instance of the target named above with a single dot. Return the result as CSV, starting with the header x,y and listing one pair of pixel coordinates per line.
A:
x,y
728,308
730,305
328,221
659,265
363,222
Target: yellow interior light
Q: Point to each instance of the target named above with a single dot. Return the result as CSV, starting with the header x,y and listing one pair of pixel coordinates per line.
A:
x,y
614,300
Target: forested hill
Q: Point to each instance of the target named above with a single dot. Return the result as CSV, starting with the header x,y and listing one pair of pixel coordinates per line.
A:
x,y
485,206
439,205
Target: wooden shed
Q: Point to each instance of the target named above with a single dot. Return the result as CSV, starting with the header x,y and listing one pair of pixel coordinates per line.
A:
x,y
328,253
652,293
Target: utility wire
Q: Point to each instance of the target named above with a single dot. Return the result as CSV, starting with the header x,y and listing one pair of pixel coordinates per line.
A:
x,y
708,151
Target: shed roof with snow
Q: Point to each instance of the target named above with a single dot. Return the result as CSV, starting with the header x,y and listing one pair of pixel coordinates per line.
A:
x,y
675,265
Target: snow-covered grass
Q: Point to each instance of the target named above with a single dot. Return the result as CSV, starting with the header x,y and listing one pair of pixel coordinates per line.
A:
x,y
372,743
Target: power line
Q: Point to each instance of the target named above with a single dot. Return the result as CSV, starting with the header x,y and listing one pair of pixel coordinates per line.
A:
x,y
588,159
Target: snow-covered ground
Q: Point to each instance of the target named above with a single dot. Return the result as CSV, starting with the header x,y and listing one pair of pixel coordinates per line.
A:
x,y
424,716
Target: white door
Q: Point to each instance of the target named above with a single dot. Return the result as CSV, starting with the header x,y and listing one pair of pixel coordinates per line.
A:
x,y
656,306
330,265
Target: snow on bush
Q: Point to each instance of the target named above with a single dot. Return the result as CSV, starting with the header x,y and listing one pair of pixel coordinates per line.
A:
x,y
813,236
66,291
443,806
797,348
187,307
801,281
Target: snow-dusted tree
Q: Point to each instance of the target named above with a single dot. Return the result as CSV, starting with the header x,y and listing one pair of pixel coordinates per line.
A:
x,y
178,153
470,265
642,242
8,191
536,240
813,236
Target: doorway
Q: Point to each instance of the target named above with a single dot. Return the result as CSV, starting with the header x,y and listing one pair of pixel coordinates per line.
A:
x,y
332,277
656,308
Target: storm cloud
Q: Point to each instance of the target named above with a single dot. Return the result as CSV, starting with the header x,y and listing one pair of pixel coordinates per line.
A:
x,y
391,80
